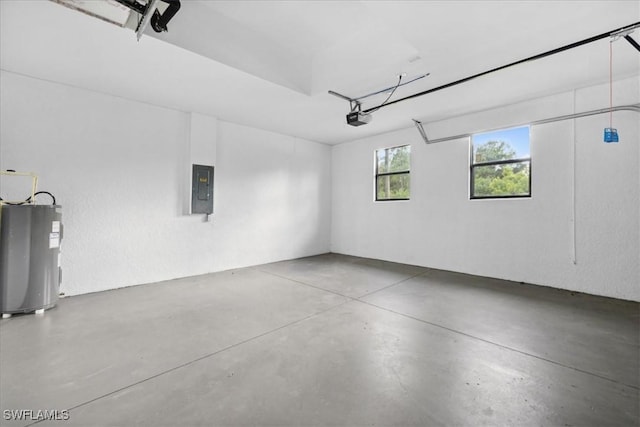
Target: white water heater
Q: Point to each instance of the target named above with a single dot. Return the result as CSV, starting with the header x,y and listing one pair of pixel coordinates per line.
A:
x,y
30,273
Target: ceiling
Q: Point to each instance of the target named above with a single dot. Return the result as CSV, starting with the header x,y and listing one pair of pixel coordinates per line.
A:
x,y
270,64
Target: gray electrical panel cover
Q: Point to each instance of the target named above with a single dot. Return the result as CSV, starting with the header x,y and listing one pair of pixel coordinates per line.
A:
x,y
202,189
30,237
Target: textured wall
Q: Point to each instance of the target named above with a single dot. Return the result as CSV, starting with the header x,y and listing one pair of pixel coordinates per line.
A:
x,y
118,168
590,245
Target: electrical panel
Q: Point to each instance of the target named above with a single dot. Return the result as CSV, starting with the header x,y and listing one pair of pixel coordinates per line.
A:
x,y
202,190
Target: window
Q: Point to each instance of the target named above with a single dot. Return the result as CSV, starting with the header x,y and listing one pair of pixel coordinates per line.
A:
x,y
501,164
392,173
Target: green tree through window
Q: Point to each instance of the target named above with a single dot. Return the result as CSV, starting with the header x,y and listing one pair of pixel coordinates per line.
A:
x,y
392,173
501,164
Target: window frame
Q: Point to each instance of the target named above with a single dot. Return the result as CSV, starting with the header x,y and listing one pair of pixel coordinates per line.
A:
x,y
520,160
377,174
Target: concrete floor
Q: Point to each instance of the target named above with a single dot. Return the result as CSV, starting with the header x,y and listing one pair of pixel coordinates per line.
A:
x,y
326,340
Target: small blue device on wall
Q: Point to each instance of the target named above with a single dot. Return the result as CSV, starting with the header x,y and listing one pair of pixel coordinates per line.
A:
x,y
610,135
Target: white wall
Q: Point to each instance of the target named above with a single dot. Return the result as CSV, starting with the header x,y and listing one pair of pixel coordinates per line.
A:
x,y
592,245
118,168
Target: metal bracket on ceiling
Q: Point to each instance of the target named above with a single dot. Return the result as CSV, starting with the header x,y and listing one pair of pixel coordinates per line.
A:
x,y
632,41
623,32
145,10
420,128
146,18
354,104
133,5
626,34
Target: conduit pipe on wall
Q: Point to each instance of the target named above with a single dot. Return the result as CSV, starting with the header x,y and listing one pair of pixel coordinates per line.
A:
x,y
630,107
